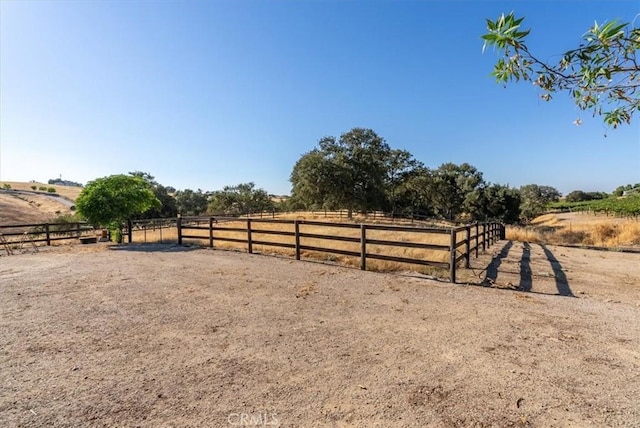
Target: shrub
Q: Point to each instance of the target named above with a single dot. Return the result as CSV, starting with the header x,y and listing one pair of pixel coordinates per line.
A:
x,y
42,188
51,189
6,186
34,187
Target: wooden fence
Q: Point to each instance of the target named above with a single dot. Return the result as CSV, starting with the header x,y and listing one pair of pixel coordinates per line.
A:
x,y
150,230
13,235
461,242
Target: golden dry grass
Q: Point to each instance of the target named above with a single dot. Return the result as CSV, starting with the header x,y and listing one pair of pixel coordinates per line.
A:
x,y
579,229
69,192
442,256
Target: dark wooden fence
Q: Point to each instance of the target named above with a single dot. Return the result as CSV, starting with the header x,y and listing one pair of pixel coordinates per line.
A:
x,y
462,242
19,234
150,230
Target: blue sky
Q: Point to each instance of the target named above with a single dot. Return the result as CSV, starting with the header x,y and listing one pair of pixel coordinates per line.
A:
x,y
203,94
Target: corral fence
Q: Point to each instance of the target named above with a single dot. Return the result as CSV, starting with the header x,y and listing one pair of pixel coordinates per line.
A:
x,y
15,236
443,248
338,214
156,230
439,247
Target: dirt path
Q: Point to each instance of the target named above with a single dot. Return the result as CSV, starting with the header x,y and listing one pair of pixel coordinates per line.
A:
x,y
166,336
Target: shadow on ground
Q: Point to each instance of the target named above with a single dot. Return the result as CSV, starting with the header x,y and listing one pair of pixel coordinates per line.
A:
x,y
524,266
155,248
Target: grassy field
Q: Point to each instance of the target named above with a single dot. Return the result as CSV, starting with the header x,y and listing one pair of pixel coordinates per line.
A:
x,y
579,229
69,192
260,232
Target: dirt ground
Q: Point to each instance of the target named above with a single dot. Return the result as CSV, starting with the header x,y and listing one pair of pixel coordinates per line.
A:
x,y
161,335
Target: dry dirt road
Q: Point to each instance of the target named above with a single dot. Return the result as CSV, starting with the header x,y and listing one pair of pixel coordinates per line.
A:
x,y
158,335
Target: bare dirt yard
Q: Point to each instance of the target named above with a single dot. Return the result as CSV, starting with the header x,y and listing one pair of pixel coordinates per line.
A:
x,y
161,335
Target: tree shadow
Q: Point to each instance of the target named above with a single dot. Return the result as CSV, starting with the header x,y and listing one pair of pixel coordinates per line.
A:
x,y
526,279
156,248
562,284
492,270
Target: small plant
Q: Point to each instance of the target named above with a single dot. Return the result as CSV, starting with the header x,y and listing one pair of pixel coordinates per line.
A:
x,y
51,189
34,187
42,188
6,186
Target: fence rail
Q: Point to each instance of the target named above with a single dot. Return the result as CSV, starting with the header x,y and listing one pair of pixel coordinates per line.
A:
x,y
463,242
453,245
19,234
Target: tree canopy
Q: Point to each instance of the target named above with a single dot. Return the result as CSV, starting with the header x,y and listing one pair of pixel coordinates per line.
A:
x,y
351,172
243,198
601,75
535,199
189,202
109,201
167,206
360,171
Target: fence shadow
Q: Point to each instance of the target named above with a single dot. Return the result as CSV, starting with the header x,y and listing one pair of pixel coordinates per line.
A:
x,y
526,279
156,248
562,284
492,270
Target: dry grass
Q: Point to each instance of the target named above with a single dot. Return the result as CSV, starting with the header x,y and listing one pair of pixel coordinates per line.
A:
x,y
170,235
69,192
578,229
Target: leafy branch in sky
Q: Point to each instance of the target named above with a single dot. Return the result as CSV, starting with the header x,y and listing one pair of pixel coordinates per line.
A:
x,y
602,75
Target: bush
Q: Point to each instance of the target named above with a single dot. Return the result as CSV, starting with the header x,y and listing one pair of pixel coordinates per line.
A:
x,y
34,187
6,186
51,190
42,188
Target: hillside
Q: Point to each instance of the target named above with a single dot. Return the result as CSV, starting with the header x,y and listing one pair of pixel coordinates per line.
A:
x,y
68,192
17,207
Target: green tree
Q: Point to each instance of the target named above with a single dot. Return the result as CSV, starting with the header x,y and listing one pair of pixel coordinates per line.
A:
x,y
168,206
535,199
401,167
191,203
601,75
241,199
577,196
317,182
456,190
501,203
109,201
353,172
580,196
413,194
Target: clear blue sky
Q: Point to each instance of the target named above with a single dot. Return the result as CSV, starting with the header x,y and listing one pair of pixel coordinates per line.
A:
x,y
203,94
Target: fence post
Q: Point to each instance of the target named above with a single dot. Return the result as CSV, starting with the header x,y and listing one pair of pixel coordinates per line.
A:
x,y
484,237
179,227
467,248
296,226
452,261
363,247
129,232
477,241
249,242
211,232
46,228
503,231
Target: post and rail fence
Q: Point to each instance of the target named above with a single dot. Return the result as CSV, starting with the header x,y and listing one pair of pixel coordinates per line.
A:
x,y
18,234
463,241
455,244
